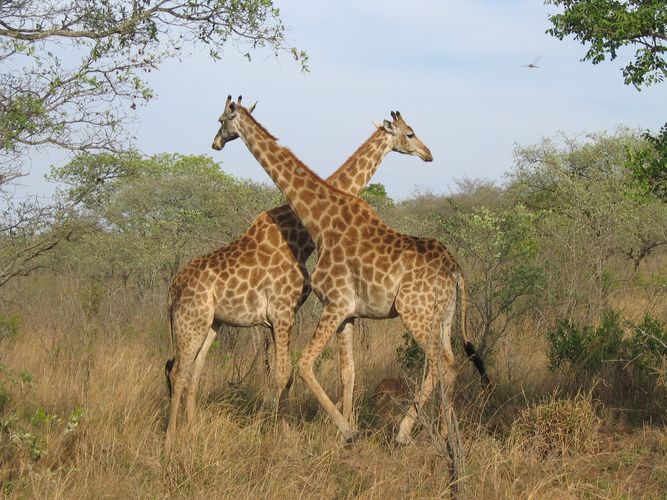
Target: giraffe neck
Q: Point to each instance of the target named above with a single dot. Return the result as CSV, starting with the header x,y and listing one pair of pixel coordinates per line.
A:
x,y
353,175
300,185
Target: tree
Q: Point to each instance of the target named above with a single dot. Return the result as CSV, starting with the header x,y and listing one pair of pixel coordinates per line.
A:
x,y
376,195
648,165
609,25
72,71
72,74
498,249
590,213
151,213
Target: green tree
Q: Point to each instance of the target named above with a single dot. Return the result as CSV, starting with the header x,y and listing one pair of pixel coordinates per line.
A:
x,y
648,165
589,214
609,25
71,76
150,214
498,249
376,195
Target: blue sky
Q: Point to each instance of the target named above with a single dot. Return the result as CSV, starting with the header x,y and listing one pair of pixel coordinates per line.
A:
x,y
451,67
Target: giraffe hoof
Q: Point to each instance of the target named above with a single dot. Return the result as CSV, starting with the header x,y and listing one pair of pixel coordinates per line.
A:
x,y
350,437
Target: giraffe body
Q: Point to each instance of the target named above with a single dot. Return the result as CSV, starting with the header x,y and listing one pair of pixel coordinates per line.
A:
x,y
260,279
364,269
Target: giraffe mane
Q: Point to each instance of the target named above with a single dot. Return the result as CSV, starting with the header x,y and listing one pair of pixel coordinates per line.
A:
x,y
301,164
364,145
259,125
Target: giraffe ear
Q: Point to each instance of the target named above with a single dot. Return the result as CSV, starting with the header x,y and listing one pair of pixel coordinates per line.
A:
x,y
252,108
388,127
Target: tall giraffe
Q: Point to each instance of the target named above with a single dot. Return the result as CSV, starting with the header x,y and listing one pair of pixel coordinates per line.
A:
x,y
259,279
364,269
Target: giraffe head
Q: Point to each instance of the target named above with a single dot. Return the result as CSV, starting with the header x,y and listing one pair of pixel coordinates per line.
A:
x,y
228,124
404,139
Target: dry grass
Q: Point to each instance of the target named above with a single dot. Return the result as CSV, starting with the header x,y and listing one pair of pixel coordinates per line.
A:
x,y
109,362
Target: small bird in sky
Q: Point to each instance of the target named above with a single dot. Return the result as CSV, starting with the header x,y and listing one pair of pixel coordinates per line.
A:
x,y
534,64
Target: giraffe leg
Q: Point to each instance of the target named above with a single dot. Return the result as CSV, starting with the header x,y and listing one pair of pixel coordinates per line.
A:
x,y
189,342
180,377
330,319
193,386
421,331
448,423
283,365
447,369
346,360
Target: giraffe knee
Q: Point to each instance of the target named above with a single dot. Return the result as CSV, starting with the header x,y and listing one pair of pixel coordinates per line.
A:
x,y
305,368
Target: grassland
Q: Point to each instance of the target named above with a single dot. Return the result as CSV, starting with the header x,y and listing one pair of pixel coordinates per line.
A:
x,y
84,406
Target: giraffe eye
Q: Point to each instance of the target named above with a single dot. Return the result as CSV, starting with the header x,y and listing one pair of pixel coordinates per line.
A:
x,y
410,136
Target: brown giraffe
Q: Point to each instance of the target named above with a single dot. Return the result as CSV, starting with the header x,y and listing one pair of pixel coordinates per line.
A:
x,y
259,279
364,269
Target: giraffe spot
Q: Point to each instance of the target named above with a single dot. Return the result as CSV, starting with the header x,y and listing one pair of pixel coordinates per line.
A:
x,y
338,270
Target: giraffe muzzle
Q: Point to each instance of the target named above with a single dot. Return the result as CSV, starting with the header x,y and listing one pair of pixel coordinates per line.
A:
x,y
217,144
426,155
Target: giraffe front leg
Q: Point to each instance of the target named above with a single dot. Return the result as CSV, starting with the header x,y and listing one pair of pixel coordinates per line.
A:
x,y
346,360
329,321
283,366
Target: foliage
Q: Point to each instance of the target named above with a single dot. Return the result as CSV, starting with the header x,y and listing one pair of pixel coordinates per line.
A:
x,y
589,212
609,25
376,195
9,325
498,249
152,213
633,351
648,165
586,347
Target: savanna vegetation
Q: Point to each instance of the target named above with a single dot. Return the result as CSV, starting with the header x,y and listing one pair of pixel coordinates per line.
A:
x,y
566,262
566,269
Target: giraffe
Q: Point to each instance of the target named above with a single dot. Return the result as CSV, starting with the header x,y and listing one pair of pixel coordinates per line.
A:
x,y
364,269
258,279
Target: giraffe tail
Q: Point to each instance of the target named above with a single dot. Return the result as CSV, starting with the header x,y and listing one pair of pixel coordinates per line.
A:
x,y
467,345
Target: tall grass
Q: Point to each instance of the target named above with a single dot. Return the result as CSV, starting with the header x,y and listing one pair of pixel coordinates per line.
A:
x,y
84,405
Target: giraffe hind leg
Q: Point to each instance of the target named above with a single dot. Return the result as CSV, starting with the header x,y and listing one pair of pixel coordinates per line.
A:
x,y
347,373
181,373
281,331
419,323
193,386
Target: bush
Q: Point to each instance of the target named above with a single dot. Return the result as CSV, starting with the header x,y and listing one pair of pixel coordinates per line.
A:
x,y
9,325
614,340
557,427
630,359
586,347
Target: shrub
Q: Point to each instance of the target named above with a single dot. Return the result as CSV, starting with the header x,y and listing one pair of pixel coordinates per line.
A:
x,y
643,346
586,347
557,427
